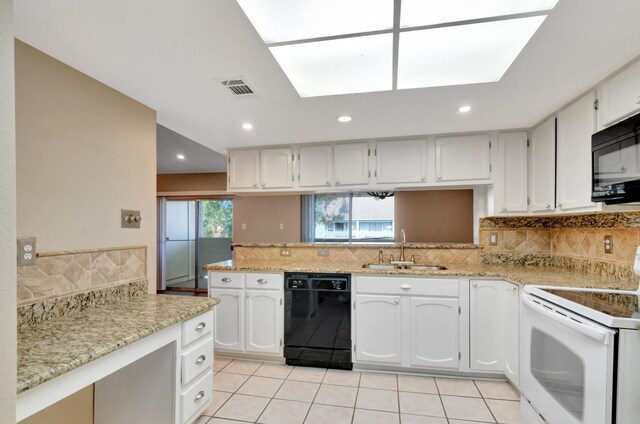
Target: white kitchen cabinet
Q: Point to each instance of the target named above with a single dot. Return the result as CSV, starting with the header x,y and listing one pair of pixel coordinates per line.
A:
x,y
486,325
378,329
315,166
244,169
263,321
402,161
351,164
463,158
542,177
276,167
619,97
511,301
511,183
434,332
576,125
229,320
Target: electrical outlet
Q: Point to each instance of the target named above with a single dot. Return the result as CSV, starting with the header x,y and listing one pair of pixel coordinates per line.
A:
x,y
323,252
282,226
244,226
493,239
608,244
285,252
26,251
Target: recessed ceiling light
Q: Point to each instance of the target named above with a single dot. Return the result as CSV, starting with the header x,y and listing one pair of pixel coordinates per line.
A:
x,y
464,109
344,118
181,157
247,126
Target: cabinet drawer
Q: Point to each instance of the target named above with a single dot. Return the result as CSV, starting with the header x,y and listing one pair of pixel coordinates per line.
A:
x,y
265,281
197,397
226,280
197,360
197,327
408,286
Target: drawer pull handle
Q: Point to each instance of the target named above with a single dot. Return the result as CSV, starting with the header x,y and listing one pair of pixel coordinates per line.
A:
x,y
201,326
226,280
405,287
262,281
199,396
200,359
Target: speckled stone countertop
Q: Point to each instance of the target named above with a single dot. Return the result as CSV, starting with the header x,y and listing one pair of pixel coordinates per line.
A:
x,y
521,275
60,345
342,245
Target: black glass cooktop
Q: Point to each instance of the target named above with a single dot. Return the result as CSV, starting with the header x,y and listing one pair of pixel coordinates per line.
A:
x,y
614,304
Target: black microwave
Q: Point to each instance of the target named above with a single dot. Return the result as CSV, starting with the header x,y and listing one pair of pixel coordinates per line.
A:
x,y
615,163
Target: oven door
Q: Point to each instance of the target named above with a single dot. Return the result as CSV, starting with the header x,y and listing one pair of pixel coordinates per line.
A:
x,y
567,364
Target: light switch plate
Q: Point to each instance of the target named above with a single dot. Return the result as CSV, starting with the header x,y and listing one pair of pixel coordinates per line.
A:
x,y
323,252
26,251
130,218
285,252
636,263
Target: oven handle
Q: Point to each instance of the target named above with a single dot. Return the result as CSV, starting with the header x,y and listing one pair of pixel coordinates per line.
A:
x,y
599,335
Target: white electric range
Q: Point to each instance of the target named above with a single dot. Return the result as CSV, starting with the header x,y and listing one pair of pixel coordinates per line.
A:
x,y
579,356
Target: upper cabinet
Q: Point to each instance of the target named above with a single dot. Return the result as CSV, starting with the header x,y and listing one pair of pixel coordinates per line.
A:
x,y
576,125
511,182
401,161
351,162
463,158
315,166
276,167
619,97
244,169
542,169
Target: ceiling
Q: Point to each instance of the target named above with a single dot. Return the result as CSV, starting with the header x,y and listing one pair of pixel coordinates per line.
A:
x,y
171,54
195,158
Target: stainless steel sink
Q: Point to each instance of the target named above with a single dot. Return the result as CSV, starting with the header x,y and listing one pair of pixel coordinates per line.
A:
x,y
379,266
426,267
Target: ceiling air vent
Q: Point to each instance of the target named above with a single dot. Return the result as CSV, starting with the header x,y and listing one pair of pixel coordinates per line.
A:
x,y
237,86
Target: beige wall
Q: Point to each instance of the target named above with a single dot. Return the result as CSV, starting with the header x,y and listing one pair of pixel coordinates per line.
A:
x,y
435,216
7,218
214,181
84,151
263,216
74,409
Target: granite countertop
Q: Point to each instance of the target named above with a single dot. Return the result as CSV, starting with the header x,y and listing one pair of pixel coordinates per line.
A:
x,y
62,344
521,275
365,245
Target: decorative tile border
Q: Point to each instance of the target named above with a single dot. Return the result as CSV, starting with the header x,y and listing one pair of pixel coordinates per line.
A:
x,y
515,222
588,220
63,273
36,313
540,260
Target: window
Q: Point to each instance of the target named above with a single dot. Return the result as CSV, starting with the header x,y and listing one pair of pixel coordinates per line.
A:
x,y
354,217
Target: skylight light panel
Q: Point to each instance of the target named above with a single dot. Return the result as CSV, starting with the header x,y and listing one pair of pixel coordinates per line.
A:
x,y
432,12
347,65
288,20
464,54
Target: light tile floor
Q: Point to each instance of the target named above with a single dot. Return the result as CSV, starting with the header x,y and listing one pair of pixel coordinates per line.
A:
x,y
256,392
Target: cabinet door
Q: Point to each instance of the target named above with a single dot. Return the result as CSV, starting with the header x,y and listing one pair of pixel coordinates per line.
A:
x,y
316,166
463,158
620,96
229,320
486,325
378,334
263,321
511,332
543,167
276,167
576,125
351,163
434,329
244,168
511,185
401,161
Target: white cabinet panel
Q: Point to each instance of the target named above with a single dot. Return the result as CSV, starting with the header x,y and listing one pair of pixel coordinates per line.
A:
x,y
244,168
378,333
487,325
229,320
463,158
263,321
542,169
351,163
619,97
576,125
511,184
316,166
276,167
434,332
511,332
401,161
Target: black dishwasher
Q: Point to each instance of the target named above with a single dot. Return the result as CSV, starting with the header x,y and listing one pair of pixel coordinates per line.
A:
x,y
317,322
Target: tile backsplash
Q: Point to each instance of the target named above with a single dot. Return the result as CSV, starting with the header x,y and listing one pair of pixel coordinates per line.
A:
x,y
64,273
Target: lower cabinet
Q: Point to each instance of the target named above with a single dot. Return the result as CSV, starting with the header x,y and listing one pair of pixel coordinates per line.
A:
x,y
378,329
434,332
512,332
263,321
229,320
